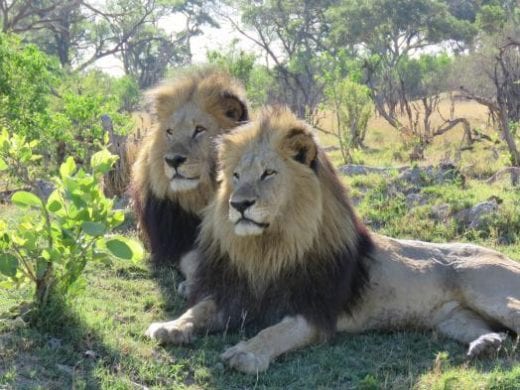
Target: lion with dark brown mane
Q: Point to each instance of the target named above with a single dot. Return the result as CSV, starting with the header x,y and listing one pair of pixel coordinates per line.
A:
x,y
173,177
282,248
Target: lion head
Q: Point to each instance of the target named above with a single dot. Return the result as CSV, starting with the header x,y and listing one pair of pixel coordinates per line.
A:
x,y
190,112
173,177
279,196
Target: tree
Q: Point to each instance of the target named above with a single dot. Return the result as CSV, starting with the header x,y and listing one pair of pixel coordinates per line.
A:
x,y
387,33
150,50
27,77
80,32
348,98
291,34
242,65
495,70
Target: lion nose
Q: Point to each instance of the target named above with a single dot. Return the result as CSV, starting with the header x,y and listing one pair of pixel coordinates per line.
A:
x,y
175,161
242,205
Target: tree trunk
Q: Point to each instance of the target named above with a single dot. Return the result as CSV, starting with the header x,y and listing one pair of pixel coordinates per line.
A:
x,y
44,286
513,150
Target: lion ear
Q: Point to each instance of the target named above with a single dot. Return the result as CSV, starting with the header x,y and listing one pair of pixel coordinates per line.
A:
x,y
300,145
234,108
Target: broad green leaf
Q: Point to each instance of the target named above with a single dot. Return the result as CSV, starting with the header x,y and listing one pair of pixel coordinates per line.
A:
x,y
93,228
26,199
3,165
8,264
67,168
119,248
102,161
54,206
137,248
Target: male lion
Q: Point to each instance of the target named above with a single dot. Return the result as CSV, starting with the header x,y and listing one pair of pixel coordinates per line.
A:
x,y
173,177
282,247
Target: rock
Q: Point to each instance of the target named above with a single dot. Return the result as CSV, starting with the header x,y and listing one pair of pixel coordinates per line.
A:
x,y
415,199
443,173
475,217
478,213
90,354
441,211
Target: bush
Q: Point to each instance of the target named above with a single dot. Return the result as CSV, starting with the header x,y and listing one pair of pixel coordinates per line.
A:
x,y
54,240
26,78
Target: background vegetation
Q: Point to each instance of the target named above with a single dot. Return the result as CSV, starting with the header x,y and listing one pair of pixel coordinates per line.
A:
x,y
416,101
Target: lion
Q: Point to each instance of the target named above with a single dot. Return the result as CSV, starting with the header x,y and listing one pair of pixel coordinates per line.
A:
x,y
173,177
282,249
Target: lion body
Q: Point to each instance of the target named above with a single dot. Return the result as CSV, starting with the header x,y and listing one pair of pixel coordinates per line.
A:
x,y
415,284
281,247
168,200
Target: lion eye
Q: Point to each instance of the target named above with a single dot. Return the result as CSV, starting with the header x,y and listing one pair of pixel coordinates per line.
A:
x,y
268,173
169,131
198,130
236,176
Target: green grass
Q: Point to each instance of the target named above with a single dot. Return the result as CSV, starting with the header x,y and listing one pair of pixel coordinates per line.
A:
x,y
121,300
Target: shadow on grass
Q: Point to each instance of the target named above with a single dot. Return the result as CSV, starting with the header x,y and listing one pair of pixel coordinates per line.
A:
x,y
55,350
373,360
399,360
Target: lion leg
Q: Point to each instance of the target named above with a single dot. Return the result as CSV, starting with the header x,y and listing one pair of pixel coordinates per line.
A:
x,y
254,355
203,315
495,293
187,266
468,327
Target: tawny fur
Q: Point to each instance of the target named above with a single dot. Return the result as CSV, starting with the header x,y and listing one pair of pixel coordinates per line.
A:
x,y
462,291
205,98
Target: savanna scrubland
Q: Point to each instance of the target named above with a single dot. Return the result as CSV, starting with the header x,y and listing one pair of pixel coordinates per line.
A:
x,y
416,103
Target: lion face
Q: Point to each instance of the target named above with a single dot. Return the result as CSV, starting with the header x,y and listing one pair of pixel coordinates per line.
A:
x,y
177,161
264,166
188,153
258,192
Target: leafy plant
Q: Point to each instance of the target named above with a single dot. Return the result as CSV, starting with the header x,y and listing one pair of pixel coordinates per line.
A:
x,y
350,101
54,240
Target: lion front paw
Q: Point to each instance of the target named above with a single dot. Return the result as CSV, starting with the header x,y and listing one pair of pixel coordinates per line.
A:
x,y
486,343
173,332
242,359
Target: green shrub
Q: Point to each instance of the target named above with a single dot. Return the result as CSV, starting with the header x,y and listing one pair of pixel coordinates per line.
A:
x,y
50,245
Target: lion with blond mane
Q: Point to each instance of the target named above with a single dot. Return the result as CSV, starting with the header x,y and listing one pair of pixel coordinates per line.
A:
x,y
283,249
173,177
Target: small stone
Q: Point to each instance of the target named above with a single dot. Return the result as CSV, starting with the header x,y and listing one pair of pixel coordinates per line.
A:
x,y
90,354
415,199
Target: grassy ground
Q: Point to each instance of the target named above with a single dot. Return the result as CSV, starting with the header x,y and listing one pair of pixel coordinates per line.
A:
x,y
99,342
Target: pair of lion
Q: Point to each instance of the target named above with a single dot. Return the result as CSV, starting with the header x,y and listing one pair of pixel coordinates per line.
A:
x,y
280,245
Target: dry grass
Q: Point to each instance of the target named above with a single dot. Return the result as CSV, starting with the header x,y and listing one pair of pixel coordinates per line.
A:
x,y
385,146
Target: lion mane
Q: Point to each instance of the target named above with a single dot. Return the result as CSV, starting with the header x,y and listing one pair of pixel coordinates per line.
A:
x,y
304,268
169,220
311,261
